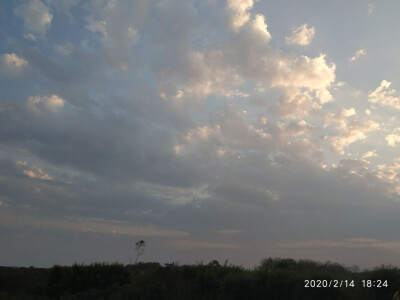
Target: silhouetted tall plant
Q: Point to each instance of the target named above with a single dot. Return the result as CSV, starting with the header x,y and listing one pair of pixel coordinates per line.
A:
x,y
140,247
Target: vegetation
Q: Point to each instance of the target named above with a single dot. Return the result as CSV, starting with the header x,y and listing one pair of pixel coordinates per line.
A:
x,y
275,278
139,247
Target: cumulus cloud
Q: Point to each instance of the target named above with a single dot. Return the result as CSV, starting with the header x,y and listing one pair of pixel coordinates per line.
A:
x,y
392,139
260,27
340,117
36,17
369,154
301,35
351,132
294,105
239,12
358,54
347,112
11,64
51,103
384,95
314,74
118,24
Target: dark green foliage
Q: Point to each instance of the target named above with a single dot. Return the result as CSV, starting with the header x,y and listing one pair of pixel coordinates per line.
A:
x,y
22,283
275,278
81,278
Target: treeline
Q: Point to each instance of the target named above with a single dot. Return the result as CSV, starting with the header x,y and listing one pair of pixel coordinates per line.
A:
x,y
275,278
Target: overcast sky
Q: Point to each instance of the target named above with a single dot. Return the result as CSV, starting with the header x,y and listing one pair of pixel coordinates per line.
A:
x,y
221,130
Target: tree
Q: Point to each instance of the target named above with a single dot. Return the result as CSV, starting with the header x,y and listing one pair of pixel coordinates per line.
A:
x,y
140,247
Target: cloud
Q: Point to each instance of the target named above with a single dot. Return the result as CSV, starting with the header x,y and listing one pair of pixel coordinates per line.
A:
x,y
301,35
392,139
347,112
294,104
370,8
355,242
64,7
33,172
11,64
188,244
93,225
260,27
351,132
353,166
384,96
64,49
358,54
313,74
36,17
29,36
176,139
51,103
239,12
176,195
118,24
340,117
369,154
229,231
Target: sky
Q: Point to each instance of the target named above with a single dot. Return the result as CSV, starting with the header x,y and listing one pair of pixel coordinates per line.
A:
x,y
231,130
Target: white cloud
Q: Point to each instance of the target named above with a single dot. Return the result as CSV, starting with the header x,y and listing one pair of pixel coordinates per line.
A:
x,y
222,67
385,96
36,16
29,36
369,154
340,117
11,65
351,132
97,26
294,104
13,62
358,54
347,112
305,72
206,73
52,103
260,26
301,35
239,10
392,139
